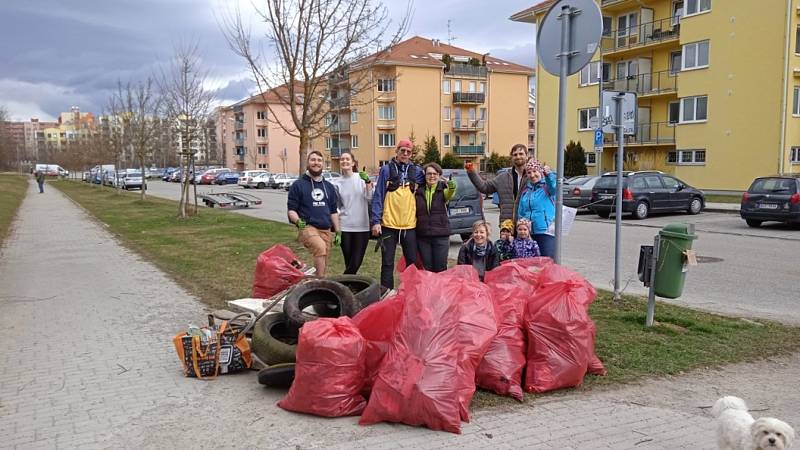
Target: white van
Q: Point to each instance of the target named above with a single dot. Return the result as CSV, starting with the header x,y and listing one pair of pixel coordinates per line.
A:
x,y
52,170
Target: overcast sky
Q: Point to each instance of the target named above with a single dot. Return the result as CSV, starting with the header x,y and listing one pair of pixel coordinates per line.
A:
x,y
60,53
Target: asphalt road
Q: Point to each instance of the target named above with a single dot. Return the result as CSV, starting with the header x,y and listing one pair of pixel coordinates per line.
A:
x,y
742,271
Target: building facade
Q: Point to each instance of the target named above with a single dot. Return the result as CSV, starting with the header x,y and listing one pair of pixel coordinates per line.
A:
x,y
472,104
250,135
717,83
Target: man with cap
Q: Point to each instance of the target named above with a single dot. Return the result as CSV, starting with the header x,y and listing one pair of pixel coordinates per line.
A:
x,y
394,210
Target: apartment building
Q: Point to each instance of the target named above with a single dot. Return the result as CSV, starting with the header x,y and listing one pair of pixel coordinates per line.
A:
x,y
250,135
473,104
718,86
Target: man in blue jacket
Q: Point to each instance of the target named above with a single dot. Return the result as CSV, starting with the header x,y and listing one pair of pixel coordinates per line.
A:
x,y
312,208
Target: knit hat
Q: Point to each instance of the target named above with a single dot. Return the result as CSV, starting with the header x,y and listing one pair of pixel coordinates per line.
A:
x,y
525,223
405,143
507,225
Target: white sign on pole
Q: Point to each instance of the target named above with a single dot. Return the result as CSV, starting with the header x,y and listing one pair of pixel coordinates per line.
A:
x,y
628,112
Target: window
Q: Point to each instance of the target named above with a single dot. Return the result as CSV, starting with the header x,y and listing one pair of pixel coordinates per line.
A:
x,y
386,139
694,109
472,114
457,86
653,182
607,21
627,24
695,55
796,101
674,112
262,149
261,115
261,132
386,85
627,69
446,140
483,113
670,183
483,139
446,113
677,12
446,86
482,87
797,40
386,112
697,6
687,157
606,71
795,155
354,116
471,86
354,141
262,166
591,73
674,63
327,143
591,159
584,117
471,139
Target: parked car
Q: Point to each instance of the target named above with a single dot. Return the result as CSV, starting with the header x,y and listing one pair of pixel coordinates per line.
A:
x,y
260,181
111,178
466,206
286,182
176,176
330,176
248,175
277,180
775,198
210,175
165,176
131,179
577,191
227,178
645,192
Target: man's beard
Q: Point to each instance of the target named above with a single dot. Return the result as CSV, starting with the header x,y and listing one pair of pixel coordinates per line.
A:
x,y
314,173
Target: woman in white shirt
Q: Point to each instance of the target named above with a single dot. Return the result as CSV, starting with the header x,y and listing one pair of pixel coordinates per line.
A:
x,y
355,193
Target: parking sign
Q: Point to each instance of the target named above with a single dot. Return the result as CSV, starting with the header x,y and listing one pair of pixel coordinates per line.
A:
x,y
598,140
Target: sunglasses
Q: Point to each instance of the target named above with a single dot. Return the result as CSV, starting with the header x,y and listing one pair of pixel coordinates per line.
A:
x,y
405,150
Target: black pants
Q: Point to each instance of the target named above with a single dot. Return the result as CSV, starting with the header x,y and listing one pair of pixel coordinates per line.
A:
x,y
354,245
389,239
434,251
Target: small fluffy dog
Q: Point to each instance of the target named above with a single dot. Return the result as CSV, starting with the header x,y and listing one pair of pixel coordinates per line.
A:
x,y
737,430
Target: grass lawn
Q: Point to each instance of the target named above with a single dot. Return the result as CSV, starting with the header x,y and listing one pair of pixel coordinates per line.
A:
x,y
723,198
12,191
213,256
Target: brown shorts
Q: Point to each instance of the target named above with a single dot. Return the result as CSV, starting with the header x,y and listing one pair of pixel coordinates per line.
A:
x,y
317,241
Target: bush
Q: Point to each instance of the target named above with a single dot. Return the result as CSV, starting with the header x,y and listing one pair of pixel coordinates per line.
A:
x,y
450,161
574,160
497,162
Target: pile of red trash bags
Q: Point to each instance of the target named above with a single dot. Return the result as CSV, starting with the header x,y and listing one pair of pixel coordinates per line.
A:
x,y
417,357
277,268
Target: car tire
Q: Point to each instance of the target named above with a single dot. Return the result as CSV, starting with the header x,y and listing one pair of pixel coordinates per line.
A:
x,y
695,206
277,376
641,211
261,186
603,214
274,340
465,236
317,291
752,223
366,290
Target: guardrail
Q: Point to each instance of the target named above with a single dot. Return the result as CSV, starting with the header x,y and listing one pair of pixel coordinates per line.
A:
x,y
646,133
469,97
645,83
468,125
640,35
469,150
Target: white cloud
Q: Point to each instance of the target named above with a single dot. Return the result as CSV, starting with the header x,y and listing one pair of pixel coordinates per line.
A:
x,y
25,100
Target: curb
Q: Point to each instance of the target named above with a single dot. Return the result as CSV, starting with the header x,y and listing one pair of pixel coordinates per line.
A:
x,y
721,210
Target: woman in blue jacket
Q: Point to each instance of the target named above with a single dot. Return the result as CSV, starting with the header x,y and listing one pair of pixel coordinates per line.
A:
x,y
536,202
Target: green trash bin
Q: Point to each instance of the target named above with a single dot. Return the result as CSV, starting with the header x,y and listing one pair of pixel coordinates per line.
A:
x,y
671,265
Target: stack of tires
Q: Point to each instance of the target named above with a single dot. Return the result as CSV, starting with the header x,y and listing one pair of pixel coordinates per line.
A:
x,y
275,335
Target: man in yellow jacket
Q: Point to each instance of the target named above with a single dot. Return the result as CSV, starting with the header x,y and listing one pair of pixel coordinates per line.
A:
x,y
394,210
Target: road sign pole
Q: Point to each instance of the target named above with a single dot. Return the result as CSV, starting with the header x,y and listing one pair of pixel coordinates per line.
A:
x,y
566,53
618,214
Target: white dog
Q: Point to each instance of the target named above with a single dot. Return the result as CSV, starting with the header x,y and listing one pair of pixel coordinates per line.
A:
x,y
736,429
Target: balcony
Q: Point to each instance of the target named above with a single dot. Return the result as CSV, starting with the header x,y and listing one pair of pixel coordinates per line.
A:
x,y
646,84
386,124
239,141
469,97
655,133
238,125
262,139
339,102
338,150
340,128
465,70
469,150
649,34
468,125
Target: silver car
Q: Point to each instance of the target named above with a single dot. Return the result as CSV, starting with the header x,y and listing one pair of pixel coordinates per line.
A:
x,y
247,176
259,181
578,190
131,179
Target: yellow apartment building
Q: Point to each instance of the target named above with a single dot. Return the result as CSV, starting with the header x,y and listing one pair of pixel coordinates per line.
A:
x,y
473,104
717,82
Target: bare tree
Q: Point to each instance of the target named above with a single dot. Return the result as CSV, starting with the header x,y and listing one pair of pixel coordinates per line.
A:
x,y
315,44
5,147
187,103
114,131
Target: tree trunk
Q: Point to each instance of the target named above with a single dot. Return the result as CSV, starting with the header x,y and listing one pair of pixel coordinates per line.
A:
x,y
144,178
182,204
194,186
304,143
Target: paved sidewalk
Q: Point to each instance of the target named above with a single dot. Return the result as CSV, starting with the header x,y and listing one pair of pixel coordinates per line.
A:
x,y
87,361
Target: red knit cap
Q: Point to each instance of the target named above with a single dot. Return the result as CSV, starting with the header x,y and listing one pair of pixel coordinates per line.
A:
x,y
405,143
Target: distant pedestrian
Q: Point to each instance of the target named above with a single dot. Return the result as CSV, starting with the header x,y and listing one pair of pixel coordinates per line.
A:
x,y
478,251
536,202
523,245
394,212
433,224
507,185
311,208
40,180
354,191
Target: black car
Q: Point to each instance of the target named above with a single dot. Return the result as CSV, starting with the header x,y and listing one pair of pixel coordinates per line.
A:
x,y
466,206
772,199
645,192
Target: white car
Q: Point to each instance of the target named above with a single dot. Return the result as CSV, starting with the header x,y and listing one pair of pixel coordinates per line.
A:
x,y
285,183
131,179
281,180
247,176
259,181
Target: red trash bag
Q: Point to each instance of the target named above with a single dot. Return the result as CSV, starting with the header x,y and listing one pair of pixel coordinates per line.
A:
x,y
275,272
377,324
501,368
560,332
329,373
428,375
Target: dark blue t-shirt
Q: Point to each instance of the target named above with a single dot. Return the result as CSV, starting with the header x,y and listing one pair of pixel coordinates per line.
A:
x,y
313,201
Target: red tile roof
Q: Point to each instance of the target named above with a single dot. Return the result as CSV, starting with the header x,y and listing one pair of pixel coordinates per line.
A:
x,y
529,13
